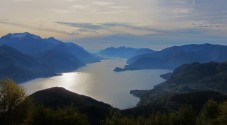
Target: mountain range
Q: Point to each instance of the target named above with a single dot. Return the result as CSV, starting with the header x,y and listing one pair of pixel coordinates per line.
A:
x,y
175,56
24,56
187,78
123,52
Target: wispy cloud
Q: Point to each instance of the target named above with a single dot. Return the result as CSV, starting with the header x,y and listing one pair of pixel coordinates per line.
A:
x,y
109,17
104,3
62,11
97,26
111,27
34,27
22,0
83,25
80,6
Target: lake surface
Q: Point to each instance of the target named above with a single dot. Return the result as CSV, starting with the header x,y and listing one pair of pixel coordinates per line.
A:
x,y
100,82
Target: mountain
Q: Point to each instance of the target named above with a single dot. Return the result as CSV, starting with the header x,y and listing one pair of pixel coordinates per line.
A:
x,y
29,43
123,52
193,77
60,59
197,76
172,57
172,102
35,45
10,55
66,57
97,112
36,57
17,65
80,53
60,97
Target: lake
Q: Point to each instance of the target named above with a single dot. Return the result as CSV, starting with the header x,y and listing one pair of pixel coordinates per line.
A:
x,y
99,81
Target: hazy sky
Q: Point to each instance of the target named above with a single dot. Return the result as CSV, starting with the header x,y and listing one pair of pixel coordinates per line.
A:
x,y
119,22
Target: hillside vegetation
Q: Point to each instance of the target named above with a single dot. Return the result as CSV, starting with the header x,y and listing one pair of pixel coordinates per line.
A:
x,y
193,77
59,107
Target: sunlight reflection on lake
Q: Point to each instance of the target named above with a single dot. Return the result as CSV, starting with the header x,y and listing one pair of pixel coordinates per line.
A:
x,y
69,81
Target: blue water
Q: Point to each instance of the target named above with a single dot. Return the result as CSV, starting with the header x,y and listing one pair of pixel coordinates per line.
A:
x,y
100,82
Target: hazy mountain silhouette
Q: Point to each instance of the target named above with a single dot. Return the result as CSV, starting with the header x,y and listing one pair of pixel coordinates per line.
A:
x,y
38,57
172,57
123,52
19,66
60,59
193,77
28,43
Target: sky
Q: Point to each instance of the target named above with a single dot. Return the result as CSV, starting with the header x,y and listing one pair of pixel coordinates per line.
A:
x,y
96,24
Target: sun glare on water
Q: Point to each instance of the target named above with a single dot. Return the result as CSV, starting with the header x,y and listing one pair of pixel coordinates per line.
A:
x,y
69,80
73,81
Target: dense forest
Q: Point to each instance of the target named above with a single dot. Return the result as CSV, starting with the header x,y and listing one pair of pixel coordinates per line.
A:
x,y
16,108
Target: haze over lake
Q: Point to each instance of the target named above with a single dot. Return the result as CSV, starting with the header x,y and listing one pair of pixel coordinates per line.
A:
x,y
99,81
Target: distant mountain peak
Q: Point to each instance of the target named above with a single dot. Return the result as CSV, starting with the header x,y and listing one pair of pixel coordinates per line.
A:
x,y
20,36
52,39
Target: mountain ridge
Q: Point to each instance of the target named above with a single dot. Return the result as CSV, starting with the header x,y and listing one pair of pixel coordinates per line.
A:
x,y
175,56
58,97
187,78
48,56
123,52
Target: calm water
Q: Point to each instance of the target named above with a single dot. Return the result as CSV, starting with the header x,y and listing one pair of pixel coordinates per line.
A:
x,y
100,82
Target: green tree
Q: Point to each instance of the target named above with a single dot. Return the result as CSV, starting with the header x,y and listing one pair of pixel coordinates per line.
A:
x,y
223,114
67,115
183,116
116,118
158,119
210,113
14,104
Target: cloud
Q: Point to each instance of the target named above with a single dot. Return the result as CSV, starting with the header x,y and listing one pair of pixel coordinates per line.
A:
x,y
81,6
71,0
96,26
103,3
109,17
62,11
101,26
22,0
101,29
181,11
82,25
34,27
207,25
